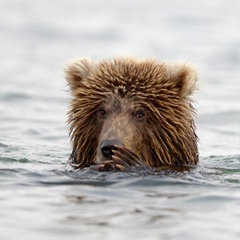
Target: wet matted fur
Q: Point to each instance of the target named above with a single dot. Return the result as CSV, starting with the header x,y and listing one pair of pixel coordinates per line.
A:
x,y
145,104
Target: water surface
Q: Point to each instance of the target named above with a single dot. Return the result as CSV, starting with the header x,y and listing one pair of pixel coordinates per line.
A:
x,y
41,197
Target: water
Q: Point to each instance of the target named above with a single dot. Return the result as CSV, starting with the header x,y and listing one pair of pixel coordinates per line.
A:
x,y
43,198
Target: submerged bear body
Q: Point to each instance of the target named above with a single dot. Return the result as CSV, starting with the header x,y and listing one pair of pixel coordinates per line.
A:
x,y
129,112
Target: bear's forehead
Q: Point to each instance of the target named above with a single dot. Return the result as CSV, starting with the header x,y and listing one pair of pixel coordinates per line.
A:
x,y
125,77
117,103
125,87
120,90
145,81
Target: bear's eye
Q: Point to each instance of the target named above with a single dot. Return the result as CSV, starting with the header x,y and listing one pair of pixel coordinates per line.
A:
x,y
101,113
140,115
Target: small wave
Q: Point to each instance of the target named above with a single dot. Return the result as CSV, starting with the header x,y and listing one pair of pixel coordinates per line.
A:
x,y
2,145
213,170
12,160
14,96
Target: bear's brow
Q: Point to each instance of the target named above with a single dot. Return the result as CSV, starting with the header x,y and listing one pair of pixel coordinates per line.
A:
x,y
113,103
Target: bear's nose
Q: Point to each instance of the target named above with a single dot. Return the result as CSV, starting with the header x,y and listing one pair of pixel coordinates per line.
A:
x,y
107,146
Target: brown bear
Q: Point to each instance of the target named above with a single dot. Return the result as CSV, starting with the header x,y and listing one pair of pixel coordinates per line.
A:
x,y
128,112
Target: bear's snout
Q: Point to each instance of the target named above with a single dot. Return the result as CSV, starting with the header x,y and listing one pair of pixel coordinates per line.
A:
x,y
107,146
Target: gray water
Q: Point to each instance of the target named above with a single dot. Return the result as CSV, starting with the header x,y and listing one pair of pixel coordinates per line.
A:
x,y
43,198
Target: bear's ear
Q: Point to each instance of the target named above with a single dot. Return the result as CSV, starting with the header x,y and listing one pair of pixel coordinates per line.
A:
x,y
77,70
184,77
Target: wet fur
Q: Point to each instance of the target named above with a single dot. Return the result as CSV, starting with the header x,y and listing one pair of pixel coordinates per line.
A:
x,y
167,135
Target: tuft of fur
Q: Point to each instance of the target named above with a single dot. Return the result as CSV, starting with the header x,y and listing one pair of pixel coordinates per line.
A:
x,y
167,135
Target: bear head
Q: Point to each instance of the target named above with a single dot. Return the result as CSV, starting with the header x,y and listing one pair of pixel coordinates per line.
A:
x,y
127,108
